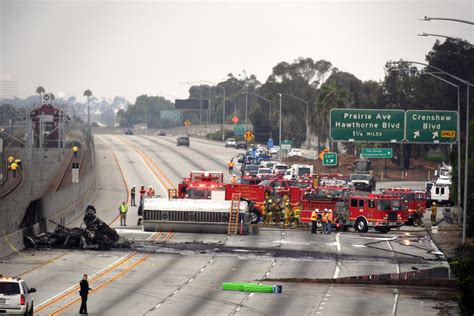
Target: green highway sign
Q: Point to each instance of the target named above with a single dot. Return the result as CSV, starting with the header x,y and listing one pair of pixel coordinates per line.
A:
x,y
377,153
354,125
431,126
330,159
286,145
239,130
170,115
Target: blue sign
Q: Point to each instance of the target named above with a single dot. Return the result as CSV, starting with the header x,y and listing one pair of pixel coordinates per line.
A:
x,y
270,143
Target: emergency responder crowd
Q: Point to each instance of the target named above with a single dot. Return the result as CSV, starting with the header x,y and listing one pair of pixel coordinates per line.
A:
x,y
123,208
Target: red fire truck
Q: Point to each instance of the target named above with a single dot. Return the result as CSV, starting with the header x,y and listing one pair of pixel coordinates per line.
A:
x,y
200,184
378,211
411,200
252,192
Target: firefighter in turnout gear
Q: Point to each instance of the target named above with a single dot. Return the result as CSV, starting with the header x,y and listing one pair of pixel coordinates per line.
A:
x,y
267,211
296,215
434,212
287,211
277,211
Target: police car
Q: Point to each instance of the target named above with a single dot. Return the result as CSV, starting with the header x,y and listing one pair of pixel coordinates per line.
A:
x,y
15,297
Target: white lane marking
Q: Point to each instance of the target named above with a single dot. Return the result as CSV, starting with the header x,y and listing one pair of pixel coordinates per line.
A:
x,y
336,271
359,246
395,303
158,305
69,288
165,191
391,249
338,243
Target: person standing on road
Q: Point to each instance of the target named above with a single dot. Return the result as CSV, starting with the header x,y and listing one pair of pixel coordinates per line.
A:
x,y
13,167
75,151
324,221
142,193
150,192
314,218
329,220
84,292
123,209
18,163
230,165
132,196
140,213
419,216
434,212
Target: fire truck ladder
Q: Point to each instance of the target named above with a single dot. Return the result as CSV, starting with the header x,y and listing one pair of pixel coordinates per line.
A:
x,y
172,193
234,214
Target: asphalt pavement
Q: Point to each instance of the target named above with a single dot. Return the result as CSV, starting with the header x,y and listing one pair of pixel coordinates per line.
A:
x,y
181,273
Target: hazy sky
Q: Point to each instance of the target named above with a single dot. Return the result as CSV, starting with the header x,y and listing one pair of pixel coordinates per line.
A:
x,y
130,48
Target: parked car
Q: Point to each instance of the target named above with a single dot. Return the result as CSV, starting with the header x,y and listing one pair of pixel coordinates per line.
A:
x,y
161,133
128,132
264,171
182,141
15,297
274,150
230,142
251,170
295,152
241,144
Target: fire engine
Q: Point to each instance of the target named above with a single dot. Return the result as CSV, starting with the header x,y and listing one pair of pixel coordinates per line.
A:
x,y
411,200
253,193
200,184
378,211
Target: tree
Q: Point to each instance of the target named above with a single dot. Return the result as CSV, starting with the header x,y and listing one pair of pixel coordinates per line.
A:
x,y
88,94
40,90
331,95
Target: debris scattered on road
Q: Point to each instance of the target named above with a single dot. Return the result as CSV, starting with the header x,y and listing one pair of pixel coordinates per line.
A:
x,y
96,235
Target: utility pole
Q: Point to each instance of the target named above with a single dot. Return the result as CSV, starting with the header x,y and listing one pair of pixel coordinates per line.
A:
x,y
223,118
29,148
466,160
41,145
279,94
246,103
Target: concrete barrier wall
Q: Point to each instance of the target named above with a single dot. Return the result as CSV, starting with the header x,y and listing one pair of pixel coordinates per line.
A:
x,y
64,206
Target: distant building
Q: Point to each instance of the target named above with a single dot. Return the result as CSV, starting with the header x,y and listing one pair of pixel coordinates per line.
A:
x,y
8,88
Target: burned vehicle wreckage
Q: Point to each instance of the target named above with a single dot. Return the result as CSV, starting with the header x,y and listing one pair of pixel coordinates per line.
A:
x,y
96,235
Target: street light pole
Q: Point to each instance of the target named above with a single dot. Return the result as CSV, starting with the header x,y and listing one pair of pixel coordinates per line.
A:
x,y
468,85
458,131
444,36
466,158
308,131
279,138
269,103
426,18
223,107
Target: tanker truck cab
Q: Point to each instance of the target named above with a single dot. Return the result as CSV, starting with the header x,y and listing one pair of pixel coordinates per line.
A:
x,y
377,211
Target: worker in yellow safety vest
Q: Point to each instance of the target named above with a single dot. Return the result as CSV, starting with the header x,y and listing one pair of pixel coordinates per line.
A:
x,y
75,151
13,167
324,220
314,218
123,209
231,165
18,163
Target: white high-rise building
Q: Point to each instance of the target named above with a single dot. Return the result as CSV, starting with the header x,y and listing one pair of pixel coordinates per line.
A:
x,y
8,88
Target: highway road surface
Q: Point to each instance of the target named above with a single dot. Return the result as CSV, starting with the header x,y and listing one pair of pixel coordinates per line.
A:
x,y
168,273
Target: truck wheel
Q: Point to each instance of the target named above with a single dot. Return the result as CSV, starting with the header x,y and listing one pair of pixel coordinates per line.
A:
x,y
384,230
254,217
361,225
